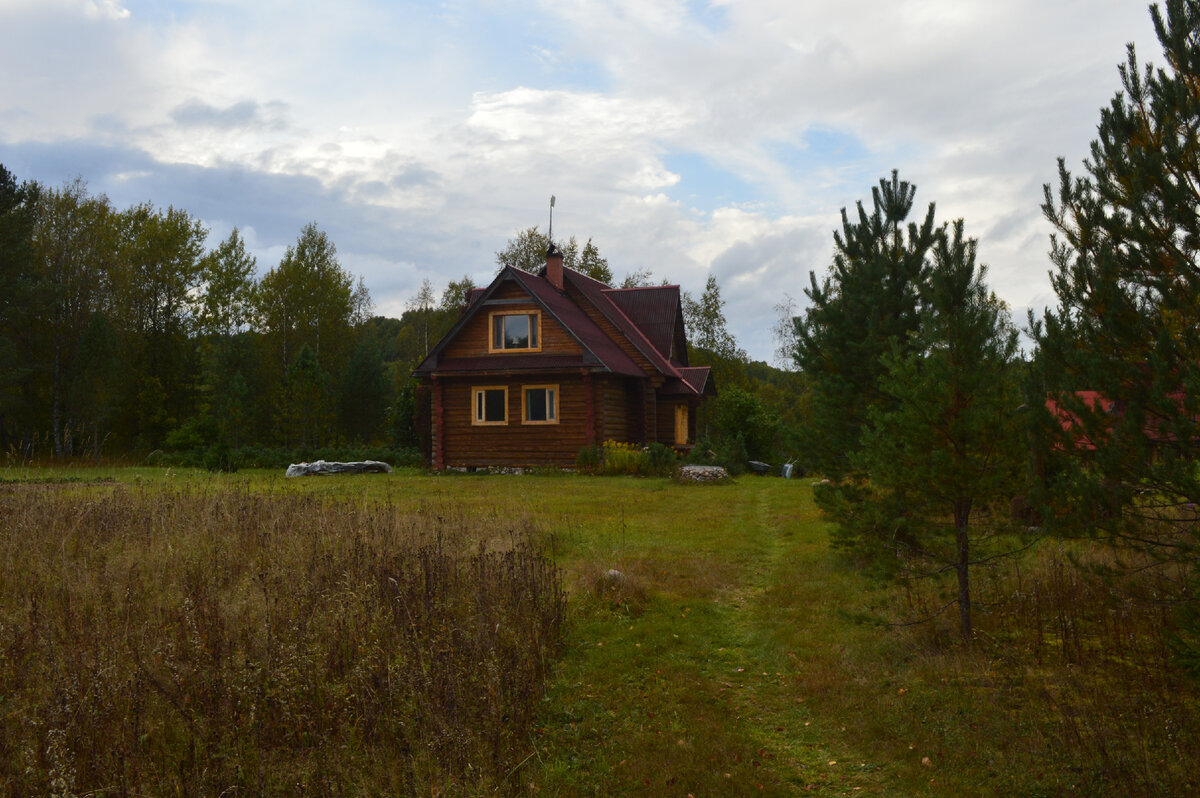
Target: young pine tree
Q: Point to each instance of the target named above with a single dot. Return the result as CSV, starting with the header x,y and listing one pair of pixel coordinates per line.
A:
x,y
868,300
946,449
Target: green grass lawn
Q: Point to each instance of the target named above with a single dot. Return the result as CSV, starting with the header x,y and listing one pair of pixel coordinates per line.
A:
x,y
730,657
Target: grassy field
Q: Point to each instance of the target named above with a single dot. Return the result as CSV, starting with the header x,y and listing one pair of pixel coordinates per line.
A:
x,y
714,645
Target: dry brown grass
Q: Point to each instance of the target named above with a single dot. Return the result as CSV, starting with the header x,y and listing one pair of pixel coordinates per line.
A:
x,y
1070,686
157,641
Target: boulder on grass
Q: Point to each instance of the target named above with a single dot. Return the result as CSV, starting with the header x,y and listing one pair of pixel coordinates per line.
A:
x,y
703,473
325,467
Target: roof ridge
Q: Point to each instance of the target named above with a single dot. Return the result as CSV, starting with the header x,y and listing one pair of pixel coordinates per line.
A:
x,y
639,287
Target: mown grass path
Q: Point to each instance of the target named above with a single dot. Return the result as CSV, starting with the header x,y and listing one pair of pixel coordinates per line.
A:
x,y
690,677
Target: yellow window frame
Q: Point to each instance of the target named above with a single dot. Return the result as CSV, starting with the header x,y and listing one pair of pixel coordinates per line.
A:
x,y
479,405
536,331
551,406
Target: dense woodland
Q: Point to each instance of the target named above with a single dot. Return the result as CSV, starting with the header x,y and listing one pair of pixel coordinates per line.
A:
x,y
122,335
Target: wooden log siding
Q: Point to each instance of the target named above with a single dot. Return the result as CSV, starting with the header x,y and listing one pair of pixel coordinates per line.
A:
x,y
618,411
651,412
438,425
513,443
474,339
592,423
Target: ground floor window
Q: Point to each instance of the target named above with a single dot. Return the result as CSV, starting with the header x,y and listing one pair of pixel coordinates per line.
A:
x,y
539,404
490,405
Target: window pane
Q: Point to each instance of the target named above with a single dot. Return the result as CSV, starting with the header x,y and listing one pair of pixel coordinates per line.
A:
x,y
551,409
494,409
533,331
497,332
516,332
535,404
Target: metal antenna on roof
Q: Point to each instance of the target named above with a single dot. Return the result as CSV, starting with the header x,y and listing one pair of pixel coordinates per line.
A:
x,y
550,235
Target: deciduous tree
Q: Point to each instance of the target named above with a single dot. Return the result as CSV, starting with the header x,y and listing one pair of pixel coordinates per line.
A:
x,y
454,298
527,251
706,324
153,287
307,300
226,303
23,299
74,243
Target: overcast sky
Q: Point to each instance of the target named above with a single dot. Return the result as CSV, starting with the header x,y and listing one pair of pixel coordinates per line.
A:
x,y
687,138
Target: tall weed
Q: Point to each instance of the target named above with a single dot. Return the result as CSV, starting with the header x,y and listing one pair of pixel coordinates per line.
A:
x,y
171,642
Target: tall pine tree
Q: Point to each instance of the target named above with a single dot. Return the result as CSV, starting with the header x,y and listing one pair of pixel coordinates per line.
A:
x,y
1126,253
867,301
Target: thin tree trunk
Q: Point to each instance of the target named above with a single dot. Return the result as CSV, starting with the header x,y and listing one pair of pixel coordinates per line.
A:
x,y
55,399
964,581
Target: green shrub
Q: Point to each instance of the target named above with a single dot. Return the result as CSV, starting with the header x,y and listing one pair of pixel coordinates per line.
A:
x,y
661,459
629,459
729,453
195,433
222,458
588,460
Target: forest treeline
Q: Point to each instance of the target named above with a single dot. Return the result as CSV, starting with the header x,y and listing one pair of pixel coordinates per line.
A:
x,y
122,334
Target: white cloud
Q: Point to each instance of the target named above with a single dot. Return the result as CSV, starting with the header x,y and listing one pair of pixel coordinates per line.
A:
x,y
438,131
105,9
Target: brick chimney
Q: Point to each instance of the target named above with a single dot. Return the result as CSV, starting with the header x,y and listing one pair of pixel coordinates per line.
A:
x,y
554,266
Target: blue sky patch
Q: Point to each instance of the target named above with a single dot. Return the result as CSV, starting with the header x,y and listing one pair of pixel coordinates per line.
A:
x,y
712,16
820,150
705,185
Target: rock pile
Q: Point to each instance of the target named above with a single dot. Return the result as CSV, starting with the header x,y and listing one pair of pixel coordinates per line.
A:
x,y
703,473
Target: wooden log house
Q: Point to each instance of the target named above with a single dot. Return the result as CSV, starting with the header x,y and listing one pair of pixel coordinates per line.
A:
x,y
540,366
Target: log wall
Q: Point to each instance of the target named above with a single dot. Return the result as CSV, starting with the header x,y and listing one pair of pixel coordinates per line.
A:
x,y
514,443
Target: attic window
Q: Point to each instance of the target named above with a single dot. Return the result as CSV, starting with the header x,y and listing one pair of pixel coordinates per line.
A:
x,y
516,332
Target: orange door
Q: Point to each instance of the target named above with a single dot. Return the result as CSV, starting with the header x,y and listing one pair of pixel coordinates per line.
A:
x,y
681,425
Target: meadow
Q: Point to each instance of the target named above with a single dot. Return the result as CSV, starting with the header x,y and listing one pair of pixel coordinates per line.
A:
x,y
174,632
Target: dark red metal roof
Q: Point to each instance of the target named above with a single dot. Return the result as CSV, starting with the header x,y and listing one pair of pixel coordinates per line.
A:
x,y
600,296
579,324
654,310
600,351
650,318
696,381
700,378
